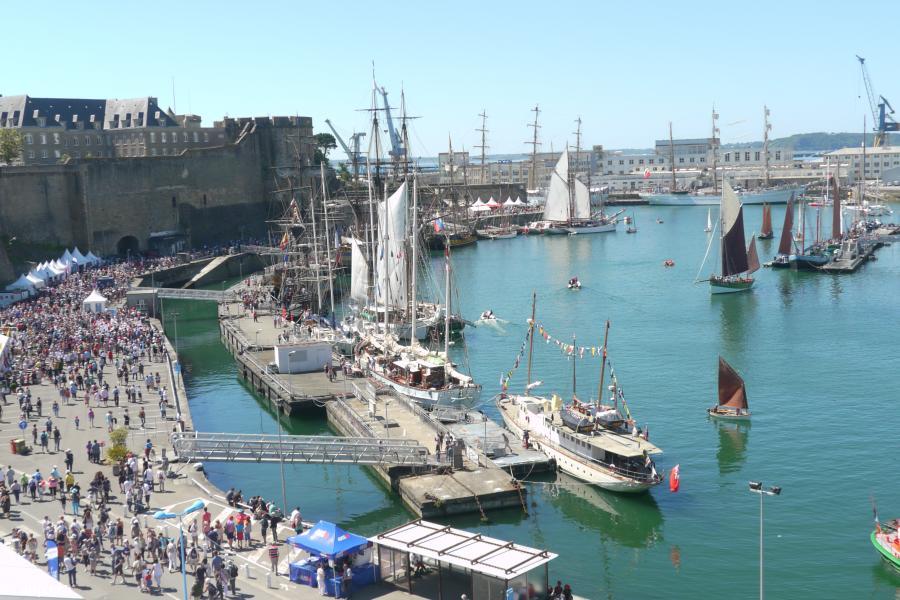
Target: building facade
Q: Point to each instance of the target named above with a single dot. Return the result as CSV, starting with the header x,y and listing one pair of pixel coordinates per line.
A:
x,y
880,163
55,130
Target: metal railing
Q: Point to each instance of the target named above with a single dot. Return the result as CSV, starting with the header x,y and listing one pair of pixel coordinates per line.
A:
x,y
235,447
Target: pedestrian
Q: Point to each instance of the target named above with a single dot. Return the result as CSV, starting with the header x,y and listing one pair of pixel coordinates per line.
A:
x,y
57,438
91,417
273,557
232,577
346,580
320,579
69,564
77,421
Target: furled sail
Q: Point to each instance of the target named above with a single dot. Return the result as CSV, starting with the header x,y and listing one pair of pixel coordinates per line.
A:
x,y
837,230
752,256
582,201
767,221
390,259
732,392
359,274
556,207
784,246
734,254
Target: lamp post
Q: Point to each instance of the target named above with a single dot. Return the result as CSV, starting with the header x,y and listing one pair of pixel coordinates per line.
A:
x,y
163,516
757,488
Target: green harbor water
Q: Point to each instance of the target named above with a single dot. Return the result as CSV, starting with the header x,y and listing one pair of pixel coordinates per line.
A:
x,y
819,357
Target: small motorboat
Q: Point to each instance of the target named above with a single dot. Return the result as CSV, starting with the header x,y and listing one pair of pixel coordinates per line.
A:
x,y
668,263
488,315
574,284
659,220
886,539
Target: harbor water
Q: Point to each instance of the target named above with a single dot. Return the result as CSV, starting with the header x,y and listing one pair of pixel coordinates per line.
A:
x,y
818,354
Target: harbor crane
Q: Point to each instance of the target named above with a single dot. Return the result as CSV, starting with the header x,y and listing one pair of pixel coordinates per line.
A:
x,y
397,151
353,151
881,111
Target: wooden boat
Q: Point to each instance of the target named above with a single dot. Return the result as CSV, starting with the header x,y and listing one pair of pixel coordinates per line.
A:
x,y
886,539
738,263
732,395
632,225
766,231
498,233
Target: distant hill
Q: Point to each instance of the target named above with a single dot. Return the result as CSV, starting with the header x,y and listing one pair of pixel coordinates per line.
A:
x,y
817,142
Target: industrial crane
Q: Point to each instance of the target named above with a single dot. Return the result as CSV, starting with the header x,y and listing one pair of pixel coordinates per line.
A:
x,y
396,143
353,151
881,111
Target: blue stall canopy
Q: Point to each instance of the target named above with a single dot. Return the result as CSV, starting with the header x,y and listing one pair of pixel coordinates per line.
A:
x,y
329,540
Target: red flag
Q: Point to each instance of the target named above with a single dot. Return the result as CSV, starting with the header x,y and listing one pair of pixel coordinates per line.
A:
x,y
647,174
674,479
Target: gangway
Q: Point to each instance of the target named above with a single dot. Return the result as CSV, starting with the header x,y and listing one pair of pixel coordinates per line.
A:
x,y
309,449
179,294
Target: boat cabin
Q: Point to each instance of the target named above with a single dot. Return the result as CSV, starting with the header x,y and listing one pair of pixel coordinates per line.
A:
x,y
418,373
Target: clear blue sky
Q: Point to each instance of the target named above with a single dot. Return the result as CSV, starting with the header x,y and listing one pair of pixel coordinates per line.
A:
x,y
626,68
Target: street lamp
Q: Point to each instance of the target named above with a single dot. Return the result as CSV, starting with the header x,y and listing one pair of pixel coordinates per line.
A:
x,y
163,516
757,488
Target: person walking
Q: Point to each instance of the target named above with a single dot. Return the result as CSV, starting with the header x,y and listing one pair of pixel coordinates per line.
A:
x,y
69,564
320,579
232,577
57,438
273,557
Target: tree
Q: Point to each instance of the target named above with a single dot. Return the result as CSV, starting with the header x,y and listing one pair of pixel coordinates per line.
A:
x,y
344,174
10,145
324,143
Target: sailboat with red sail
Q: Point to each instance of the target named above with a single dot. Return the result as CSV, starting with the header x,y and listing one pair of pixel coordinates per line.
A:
x,y
736,263
732,395
766,232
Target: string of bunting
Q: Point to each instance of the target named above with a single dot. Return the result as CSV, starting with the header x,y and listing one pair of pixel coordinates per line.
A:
x,y
571,349
505,377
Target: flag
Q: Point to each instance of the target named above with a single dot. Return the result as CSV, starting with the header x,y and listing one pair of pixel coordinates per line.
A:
x,y
647,174
438,225
285,239
674,478
52,556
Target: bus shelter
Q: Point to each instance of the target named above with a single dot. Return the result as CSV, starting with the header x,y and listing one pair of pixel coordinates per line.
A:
x,y
440,561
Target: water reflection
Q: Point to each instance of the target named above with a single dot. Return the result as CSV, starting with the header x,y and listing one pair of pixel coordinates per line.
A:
x,y
732,450
737,312
632,520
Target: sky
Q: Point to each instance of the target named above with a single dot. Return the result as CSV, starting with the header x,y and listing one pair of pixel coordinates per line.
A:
x,y
627,69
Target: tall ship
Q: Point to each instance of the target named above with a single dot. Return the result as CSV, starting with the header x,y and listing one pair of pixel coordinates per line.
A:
x,y
596,442
567,208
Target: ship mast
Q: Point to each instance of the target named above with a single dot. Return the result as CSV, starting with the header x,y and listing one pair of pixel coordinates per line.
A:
x,y
574,361
715,151
602,366
327,238
766,128
483,145
534,143
531,341
414,240
672,156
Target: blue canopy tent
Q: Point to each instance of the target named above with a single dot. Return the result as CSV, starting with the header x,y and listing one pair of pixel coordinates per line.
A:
x,y
328,540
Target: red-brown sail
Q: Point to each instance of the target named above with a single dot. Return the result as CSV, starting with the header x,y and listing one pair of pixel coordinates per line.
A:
x,y
784,246
752,256
836,231
767,222
732,392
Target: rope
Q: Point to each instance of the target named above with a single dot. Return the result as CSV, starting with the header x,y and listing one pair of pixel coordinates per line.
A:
x,y
474,495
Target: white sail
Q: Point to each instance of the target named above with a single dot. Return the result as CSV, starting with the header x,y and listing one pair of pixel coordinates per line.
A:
x,y
582,201
731,208
390,260
556,207
359,274
709,219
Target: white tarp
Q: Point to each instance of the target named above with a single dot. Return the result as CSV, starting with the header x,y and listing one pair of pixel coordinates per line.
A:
x,y
390,258
359,273
22,579
556,207
95,303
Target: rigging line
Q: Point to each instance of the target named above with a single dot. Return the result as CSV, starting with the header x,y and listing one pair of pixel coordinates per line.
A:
x,y
708,246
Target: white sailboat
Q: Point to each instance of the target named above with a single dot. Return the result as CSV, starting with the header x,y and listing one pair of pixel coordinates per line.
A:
x,y
708,220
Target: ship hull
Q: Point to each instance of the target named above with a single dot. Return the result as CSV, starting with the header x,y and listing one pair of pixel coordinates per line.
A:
x,y
727,416
729,286
778,196
456,396
598,228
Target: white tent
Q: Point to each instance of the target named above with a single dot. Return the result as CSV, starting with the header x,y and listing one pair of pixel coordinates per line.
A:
x,y
22,579
95,303
39,275
477,203
518,201
92,258
22,283
58,270
78,257
66,258
37,281
509,202
492,203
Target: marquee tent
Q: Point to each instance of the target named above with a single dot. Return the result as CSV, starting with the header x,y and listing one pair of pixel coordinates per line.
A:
x,y
78,257
22,283
92,258
66,258
95,303
328,540
493,203
509,202
518,201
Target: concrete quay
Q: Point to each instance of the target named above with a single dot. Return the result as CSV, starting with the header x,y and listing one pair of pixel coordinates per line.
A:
x,y
183,487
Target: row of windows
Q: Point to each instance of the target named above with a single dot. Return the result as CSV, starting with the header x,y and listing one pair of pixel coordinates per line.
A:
x,y
756,156
650,161
117,140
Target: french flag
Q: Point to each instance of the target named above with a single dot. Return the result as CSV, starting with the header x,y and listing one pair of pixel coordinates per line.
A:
x,y
438,225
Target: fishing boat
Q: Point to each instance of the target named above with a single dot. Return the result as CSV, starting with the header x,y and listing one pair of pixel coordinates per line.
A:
x,y
613,457
708,220
632,227
738,263
732,395
568,205
766,232
886,539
